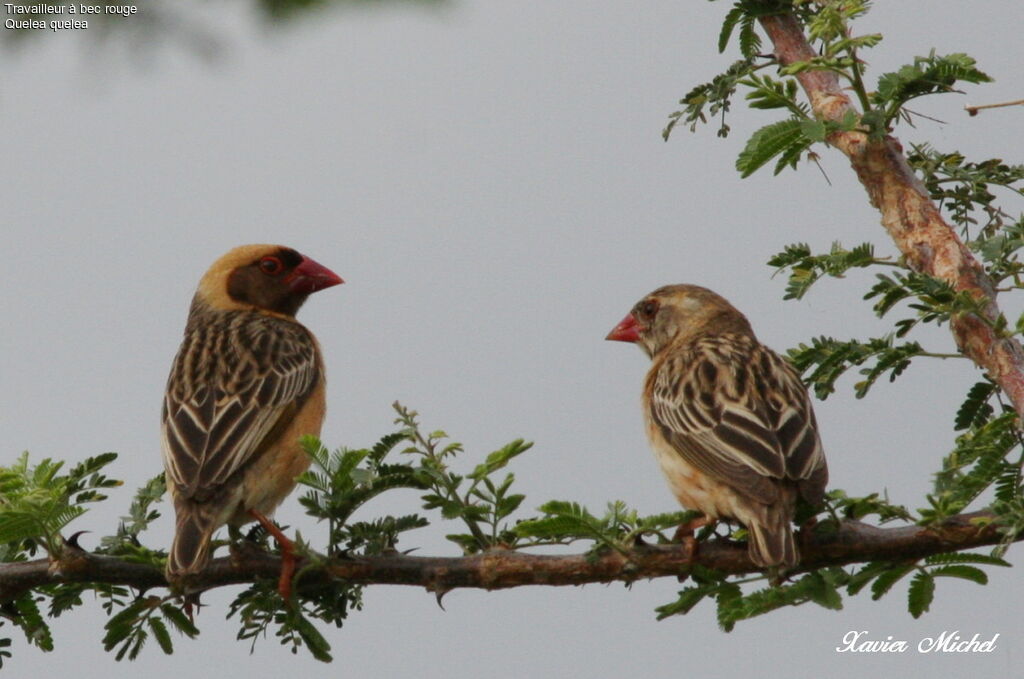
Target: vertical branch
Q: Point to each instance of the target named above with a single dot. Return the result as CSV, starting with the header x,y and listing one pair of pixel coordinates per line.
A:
x,y
913,221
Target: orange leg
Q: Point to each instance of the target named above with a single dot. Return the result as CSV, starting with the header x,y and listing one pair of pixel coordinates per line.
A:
x,y
284,584
684,534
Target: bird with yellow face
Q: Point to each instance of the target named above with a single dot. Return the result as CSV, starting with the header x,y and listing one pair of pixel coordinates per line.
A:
x,y
246,384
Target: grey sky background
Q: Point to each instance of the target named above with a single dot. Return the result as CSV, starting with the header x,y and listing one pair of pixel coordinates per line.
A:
x,y
490,180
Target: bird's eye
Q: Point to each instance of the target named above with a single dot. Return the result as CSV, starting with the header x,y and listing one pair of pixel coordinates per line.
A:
x,y
648,308
271,266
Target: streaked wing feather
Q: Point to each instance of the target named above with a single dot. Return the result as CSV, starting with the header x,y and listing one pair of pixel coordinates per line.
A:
x,y
738,411
721,437
798,432
212,431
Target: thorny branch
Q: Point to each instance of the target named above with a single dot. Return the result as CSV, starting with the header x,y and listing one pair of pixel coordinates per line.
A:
x,y
853,542
913,221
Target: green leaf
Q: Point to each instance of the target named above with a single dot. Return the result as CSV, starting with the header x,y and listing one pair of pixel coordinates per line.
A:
x,y
819,587
710,100
865,575
314,641
814,130
688,598
961,571
750,41
920,594
823,592
549,528
499,458
160,633
731,19
927,75
884,582
15,526
179,620
728,597
31,622
975,409
770,141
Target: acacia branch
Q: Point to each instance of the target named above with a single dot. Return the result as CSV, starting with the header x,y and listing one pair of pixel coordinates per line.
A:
x,y
928,243
853,542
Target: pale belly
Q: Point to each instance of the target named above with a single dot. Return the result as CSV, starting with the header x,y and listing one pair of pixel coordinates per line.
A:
x,y
696,490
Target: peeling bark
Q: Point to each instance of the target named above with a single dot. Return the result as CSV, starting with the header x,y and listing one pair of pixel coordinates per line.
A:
x,y
912,219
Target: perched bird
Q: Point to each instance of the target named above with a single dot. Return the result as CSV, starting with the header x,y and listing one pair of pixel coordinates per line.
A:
x,y
729,420
246,384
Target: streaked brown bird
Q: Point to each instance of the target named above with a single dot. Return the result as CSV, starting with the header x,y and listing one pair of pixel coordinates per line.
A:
x,y
246,384
729,420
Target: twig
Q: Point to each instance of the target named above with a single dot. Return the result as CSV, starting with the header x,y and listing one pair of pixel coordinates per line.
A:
x,y
973,110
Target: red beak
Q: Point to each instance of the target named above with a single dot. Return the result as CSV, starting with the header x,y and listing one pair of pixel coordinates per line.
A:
x,y
628,330
310,276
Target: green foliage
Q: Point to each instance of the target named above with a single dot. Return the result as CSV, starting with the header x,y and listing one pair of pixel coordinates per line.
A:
x,y
980,460
710,99
828,25
130,628
343,481
806,268
883,576
785,138
37,502
125,543
260,607
966,192
820,587
24,612
826,359
565,522
768,93
926,75
842,506
483,504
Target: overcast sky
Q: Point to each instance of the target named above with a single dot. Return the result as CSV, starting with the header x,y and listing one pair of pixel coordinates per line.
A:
x,y
491,182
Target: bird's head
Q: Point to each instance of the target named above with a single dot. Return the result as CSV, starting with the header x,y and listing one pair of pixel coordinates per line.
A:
x,y
676,313
268,277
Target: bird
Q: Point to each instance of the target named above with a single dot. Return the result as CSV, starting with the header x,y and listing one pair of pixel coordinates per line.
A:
x,y
729,420
246,383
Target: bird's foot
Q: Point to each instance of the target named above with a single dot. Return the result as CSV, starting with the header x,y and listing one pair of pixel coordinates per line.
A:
x,y
684,534
288,559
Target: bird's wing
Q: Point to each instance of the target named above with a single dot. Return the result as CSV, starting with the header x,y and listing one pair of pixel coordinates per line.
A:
x,y
707,406
230,393
796,427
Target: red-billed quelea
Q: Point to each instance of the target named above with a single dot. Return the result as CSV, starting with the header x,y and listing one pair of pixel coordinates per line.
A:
x,y
246,384
729,420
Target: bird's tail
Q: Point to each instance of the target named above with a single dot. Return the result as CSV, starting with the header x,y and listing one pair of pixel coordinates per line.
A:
x,y
771,540
190,550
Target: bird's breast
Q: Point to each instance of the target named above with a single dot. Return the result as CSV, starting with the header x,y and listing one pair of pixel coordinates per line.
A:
x,y
693,488
272,477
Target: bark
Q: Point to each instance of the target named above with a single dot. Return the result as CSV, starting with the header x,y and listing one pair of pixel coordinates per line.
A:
x,y
853,542
912,219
